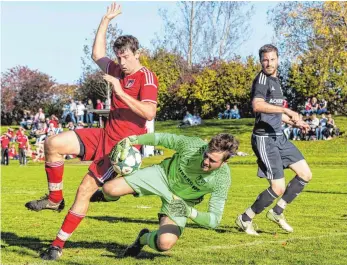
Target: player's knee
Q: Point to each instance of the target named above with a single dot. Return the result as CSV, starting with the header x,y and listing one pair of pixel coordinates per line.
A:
x,y
306,175
166,242
85,192
110,190
51,144
278,189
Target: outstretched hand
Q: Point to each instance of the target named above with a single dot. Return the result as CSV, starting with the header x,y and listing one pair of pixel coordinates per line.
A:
x,y
113,11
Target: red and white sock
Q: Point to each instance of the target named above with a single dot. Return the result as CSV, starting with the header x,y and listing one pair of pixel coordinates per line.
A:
x,y
54,171
71,222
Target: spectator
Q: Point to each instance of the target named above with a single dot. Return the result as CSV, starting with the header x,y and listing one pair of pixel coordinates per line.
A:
x,y
80,111
235,113
66,112
71,126
80,125
314,105
59,129
5,142
226,114
29,122
39,118
90,114
73,109
12,153
321,128
51,130
99,104
54,120
332,129
322,106
10,134
314,123
187,120
41,133
196,120
308,107
287,129
23,143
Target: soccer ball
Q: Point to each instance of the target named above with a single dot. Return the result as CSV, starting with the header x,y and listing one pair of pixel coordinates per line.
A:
x,y
130,164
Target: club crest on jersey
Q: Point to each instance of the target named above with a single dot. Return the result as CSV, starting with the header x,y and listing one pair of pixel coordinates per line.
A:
x,y
130,83
200,181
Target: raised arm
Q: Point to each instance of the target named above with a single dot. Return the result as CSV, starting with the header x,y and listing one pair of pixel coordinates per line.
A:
x,y
99,46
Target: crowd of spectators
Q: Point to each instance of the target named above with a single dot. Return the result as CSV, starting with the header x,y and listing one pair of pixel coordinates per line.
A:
x,y
313,106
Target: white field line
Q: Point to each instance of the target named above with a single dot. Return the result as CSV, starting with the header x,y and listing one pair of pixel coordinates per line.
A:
x,y
261,242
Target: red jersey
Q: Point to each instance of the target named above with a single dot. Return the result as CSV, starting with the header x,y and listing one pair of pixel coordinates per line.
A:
x,y
55,123
141,85
5,140
22,141
10,134
12,152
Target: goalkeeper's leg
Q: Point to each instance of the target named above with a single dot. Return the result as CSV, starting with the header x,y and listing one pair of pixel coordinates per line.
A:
x,y
160,240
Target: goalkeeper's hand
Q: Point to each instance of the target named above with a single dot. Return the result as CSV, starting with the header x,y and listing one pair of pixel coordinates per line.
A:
x,y
179,208
122,148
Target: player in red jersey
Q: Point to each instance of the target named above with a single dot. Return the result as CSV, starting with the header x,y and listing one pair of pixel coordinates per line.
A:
x,y
5,141
23,145
134,101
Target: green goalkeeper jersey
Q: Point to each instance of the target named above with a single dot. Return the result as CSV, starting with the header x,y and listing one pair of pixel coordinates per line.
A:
x,y
185,175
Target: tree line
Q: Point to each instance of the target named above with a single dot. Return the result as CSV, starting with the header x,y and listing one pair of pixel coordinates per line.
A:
x,y
196,68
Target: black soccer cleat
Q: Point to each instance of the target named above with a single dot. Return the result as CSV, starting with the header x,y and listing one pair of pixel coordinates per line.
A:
x,y
52,253
134,249
45,204
99,196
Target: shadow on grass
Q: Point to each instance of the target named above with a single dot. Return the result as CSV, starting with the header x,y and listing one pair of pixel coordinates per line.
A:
x,y
325,192
36,244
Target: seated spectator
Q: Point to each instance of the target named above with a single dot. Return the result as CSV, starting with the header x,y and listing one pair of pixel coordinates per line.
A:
x,y
320,129
322,106
12,153
39,154
80,125
54,120
226,114
29,122
51,130
59,129
99,104
297,135
41,134
332,130
71,126
314,105
196,119
235,113
314,123
23,123
308,108
287,129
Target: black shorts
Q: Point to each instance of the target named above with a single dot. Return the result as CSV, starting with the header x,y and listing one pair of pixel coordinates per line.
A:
x,y
274,154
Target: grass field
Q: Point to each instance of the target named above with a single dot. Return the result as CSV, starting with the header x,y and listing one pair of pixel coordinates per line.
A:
x,y
318,215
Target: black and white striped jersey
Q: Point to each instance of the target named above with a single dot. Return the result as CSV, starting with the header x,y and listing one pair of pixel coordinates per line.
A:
x,y
268,88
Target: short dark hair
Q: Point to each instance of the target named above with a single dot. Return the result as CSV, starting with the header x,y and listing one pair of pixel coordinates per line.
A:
x,y
126,42
267,48
224,142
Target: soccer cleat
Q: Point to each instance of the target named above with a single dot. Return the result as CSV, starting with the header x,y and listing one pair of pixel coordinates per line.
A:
x,y
280,220
246,226
99,196
134,249
52,253
44,203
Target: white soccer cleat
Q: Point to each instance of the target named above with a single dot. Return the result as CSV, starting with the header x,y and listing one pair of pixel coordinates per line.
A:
x,y
280,220
246,226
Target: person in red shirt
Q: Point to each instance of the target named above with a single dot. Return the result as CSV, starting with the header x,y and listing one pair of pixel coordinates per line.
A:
x,y
23,143
5,141
10,134
53,120
99,104
12,152
134,101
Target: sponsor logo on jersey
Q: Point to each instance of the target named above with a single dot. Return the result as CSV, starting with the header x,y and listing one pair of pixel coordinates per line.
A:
x,y
272,88
190,182
200,180
276,101
130,83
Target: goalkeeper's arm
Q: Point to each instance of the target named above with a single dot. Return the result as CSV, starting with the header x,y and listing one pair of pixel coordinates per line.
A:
x,y
213,217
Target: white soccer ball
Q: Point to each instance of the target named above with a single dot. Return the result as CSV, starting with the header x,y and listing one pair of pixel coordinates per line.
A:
x,y
130,164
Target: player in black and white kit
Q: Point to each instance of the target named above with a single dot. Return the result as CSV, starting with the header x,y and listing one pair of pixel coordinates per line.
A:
x,y
273,150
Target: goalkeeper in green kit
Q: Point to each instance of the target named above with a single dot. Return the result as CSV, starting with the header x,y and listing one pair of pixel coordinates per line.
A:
x,y
197,168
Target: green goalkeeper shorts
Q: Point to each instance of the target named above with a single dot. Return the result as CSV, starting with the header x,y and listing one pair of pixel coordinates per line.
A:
x,y
153,181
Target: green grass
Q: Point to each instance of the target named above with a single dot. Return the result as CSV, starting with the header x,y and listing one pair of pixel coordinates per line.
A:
x,y
318,215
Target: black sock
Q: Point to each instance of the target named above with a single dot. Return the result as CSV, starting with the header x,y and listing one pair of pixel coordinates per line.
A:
x,y
294,188
263,200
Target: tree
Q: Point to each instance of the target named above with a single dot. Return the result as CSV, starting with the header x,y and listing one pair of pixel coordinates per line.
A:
x,y
25,89
318,33
202,31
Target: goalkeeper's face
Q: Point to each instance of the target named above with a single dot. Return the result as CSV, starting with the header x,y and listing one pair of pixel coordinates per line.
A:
x,y
212,161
